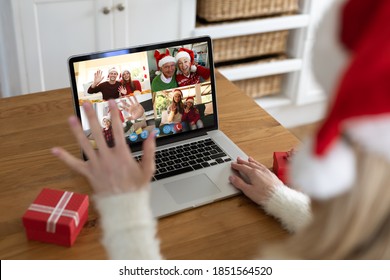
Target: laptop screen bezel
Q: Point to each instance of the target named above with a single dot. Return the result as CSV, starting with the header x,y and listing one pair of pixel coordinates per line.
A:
x,y
137,146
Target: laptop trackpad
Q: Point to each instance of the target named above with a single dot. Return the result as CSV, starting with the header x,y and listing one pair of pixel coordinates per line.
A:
x,y
192,188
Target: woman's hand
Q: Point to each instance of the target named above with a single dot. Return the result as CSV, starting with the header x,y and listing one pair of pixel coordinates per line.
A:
x,y
135,109
255,180
109,170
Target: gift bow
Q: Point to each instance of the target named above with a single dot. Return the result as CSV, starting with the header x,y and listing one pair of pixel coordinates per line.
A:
x,y
56,212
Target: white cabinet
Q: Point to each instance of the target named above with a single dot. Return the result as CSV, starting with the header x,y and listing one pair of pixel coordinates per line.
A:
x,y
49,31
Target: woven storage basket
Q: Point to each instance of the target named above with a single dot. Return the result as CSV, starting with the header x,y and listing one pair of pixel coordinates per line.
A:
x,y
262,86
234,48
259,86
220,10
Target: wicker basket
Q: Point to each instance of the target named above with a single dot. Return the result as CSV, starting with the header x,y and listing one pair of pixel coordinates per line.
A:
x,y
262,86
220,10
234,48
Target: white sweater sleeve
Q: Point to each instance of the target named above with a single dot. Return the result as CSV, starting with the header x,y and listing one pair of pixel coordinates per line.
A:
x,y
129,229
289,206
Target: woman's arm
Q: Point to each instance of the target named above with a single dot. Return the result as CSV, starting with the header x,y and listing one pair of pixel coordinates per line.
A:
x,y
121,186
262,186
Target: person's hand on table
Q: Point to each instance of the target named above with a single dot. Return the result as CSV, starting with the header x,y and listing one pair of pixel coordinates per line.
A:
x,y
255,180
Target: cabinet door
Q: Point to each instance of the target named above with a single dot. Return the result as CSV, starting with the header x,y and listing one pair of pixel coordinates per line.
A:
x,y
49,31
151,21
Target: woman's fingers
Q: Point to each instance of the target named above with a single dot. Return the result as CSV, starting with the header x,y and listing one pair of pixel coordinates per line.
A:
x,y
148,161
239,183
84,143
116,123
249,163
244,170
95,127
132,102
74,163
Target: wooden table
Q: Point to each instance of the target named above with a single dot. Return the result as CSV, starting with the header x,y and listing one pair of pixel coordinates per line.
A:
x,y
30,125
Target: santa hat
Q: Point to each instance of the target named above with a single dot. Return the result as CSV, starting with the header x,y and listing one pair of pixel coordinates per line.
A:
x,y
189,54
190,99
105,118
162,58
360,112
177,92
113,69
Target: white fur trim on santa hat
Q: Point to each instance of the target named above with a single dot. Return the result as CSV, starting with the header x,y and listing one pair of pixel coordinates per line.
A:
x,y
186,55
166,59
372,133
113,69
181,55
326,44
326,176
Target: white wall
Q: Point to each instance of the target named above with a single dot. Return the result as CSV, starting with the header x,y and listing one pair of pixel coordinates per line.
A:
x,y
9,69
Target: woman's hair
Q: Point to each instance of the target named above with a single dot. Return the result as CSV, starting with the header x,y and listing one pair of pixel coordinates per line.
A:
x,y
355,225
179,105
130,82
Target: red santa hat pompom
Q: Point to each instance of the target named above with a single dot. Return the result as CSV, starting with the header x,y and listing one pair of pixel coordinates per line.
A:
x,y
162,58
360,111
189,54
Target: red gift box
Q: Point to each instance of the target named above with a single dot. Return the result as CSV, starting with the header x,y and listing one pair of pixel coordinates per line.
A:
x,y
281,165
56,216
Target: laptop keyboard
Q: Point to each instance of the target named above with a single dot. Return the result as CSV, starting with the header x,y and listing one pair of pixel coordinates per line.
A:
x,y
188,157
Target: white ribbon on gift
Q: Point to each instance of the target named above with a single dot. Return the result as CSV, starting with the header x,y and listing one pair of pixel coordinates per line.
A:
x,y
56,212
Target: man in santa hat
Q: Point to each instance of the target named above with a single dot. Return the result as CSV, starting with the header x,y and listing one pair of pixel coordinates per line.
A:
x,y
110,88
166,73
188,73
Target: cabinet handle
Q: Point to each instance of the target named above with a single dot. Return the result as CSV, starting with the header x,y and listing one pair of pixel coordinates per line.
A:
x,y
106,10
120,7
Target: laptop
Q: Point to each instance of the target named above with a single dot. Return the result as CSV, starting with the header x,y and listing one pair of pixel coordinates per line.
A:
x,y
193,156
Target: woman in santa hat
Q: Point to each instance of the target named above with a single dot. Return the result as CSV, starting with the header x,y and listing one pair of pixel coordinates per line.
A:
x,y
128,84
344,169
188,73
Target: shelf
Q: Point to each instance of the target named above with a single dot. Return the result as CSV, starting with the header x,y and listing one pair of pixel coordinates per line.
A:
x,y
241,72
247,27
268,102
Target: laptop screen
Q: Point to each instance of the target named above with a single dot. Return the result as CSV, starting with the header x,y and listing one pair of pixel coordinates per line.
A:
x,y
172,81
